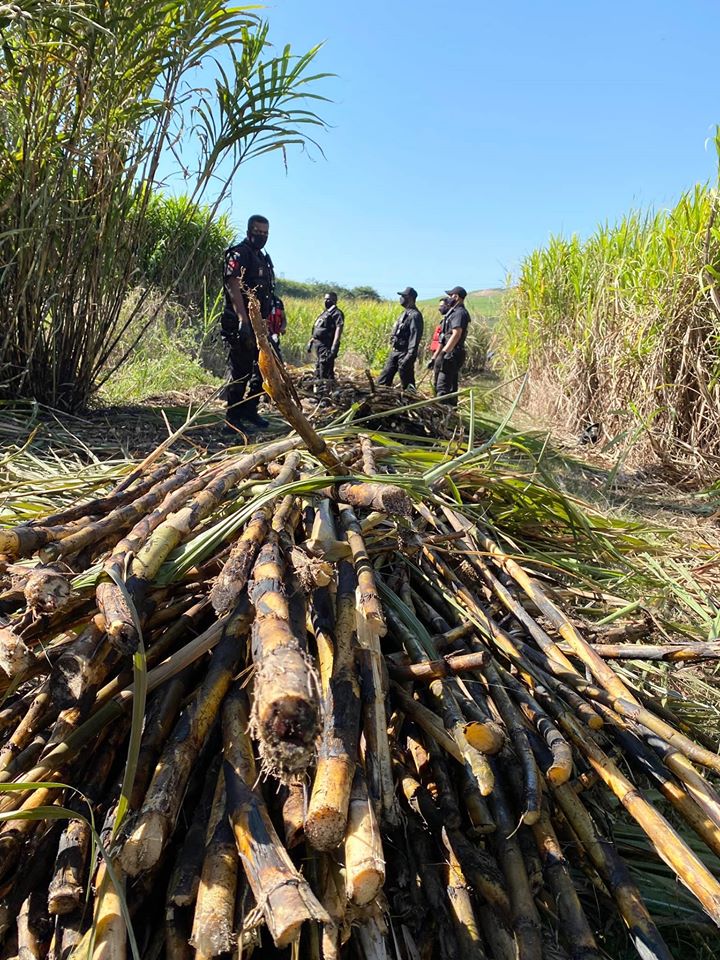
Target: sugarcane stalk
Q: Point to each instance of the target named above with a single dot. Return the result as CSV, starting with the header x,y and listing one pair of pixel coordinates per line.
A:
x,y
442,938
67,886
327,814
630,710
473,760
187,622
572,922
435,669
466,927
580,647
172,531
364,858
38,714
562,766
16,658
111,600
283,896
699,789
130,488
279,387
34,928
108,934
293,814
525,919
429,722
475,804
692,812
183,887
669,653
24,539
518,736
234,576
481,731
285,714
477,864
117,520
614,872
370,627
383,497
213,926
334,901
668,844
157,818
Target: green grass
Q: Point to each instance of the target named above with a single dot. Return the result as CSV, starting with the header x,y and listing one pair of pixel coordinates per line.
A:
x,y
146,376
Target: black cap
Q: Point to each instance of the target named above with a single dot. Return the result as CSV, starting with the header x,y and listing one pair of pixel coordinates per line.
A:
x,y
408,292
331,295
460,291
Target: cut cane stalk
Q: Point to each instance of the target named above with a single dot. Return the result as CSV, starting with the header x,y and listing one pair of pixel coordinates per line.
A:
x,y
562,766
641,928
364,859
283,896
337,756
285,712
213,928
183,887
525,919
234,576
468,934
157,818
572,922
667,843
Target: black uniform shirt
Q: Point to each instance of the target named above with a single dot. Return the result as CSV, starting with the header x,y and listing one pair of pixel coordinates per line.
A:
x,y
456,319
255,269
326,324
407,332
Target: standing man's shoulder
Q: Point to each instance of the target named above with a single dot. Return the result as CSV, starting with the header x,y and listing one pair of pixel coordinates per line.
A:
x,y
237,257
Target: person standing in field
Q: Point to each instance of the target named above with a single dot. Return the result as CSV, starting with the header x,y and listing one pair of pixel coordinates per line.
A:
x,y
277,326
434,345
404,343
451,355
325,338
247,267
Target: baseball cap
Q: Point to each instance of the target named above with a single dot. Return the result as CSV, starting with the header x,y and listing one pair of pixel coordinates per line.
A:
x,y
459,291
408,292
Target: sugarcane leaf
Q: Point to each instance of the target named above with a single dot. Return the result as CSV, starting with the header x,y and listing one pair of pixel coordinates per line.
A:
x,y
138,707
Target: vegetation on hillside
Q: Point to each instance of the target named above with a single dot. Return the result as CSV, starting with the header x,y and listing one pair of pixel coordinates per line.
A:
x,y
623,328
314,289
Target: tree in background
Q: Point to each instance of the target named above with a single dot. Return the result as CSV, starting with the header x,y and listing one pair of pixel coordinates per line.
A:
x,y
95,98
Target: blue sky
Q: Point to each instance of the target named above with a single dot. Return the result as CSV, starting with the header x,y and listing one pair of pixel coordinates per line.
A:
x,y
461,136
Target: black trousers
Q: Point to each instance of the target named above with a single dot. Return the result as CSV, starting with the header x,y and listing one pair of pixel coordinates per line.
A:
x,y
324,363
245,379
400,362
447,375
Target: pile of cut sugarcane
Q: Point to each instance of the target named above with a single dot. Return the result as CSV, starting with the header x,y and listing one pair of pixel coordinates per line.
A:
x,y
301,694
378,406
363,721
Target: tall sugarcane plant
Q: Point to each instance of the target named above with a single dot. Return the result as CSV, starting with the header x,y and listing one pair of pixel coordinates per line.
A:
x,y
95,97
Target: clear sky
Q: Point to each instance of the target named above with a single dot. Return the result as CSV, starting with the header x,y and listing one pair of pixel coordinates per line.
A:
x,y
462,135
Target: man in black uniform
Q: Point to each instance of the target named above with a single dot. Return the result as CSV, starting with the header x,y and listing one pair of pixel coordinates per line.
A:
x,y
405,342
451,355
247,267
326,336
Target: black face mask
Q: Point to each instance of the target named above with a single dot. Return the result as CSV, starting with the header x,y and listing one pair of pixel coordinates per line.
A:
x,y
329,303
403,301
257,241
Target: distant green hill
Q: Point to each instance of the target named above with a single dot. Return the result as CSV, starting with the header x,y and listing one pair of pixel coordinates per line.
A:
x,y
481,303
